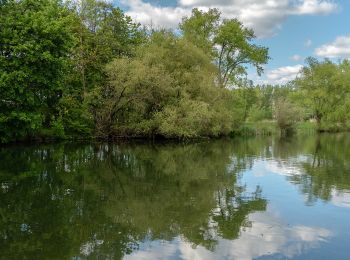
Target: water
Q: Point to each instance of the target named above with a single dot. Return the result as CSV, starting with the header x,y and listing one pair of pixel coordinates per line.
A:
x,y
259,198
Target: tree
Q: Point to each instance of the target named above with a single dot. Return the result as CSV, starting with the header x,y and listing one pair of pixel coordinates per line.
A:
x,y
201,28
287,114
228,42
167,89
236,51
35,43
103,33
324,90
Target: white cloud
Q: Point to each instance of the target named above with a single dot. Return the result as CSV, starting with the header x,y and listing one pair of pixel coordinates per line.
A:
x,y
296,57
163,17
314,7
264,16
340,48
283,74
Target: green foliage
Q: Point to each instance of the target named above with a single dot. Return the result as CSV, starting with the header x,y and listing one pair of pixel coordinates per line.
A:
x,y
103,33
81,69
257,114
201,28
167,89
36,39
58,128
76,117
306,127
190,118
324,90
228,43
287,114
52,55
261,128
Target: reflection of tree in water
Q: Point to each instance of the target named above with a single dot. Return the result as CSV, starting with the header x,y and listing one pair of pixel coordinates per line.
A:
x,y
322,161
61,201
327,168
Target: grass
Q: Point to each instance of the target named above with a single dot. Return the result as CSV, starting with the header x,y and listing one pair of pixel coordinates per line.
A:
x,y
306,127
262,128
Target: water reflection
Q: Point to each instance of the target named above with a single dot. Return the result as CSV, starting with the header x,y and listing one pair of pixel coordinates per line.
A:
x,y
267,236
318,165
105,200
156,201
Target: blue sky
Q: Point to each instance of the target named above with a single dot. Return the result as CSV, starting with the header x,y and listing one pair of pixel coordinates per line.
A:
x,y
292,29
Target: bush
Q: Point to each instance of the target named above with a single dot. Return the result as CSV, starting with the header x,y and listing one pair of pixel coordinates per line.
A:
x,y
287,114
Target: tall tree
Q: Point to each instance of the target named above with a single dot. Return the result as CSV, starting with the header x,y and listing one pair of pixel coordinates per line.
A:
x,y
324,90
104,33
35,42
227,41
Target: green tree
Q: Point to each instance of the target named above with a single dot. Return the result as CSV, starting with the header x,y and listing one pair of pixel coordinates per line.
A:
x,y
167,89
287,114
324,90
35,43
200,29
103,33
228,42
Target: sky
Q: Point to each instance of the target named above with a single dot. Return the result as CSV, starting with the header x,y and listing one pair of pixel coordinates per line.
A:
x,y
292,29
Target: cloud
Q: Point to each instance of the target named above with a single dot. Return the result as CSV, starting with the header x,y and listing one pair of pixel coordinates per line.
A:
x,y
315,7
264,16
296,57
340,48
163,17
283,74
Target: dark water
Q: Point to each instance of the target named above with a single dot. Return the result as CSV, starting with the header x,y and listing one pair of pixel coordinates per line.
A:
x,y
260,198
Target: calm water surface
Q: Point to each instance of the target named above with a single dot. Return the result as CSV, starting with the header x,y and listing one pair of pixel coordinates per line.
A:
x,y
261,198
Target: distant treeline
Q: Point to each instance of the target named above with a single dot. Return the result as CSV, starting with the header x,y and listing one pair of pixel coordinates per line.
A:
x,y
82,69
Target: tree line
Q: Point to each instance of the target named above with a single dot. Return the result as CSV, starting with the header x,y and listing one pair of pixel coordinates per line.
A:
x,y
82,69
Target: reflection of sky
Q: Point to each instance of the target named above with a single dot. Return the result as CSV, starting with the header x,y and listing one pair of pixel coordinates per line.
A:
x,y
341,199
292,168
267,236
287,229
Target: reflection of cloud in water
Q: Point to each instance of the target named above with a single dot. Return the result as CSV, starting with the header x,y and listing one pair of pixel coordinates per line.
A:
x,y
266,236
288,169
341,199
90,247
285,168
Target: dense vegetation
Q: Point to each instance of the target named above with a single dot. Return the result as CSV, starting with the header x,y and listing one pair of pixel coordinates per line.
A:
x,y
81,69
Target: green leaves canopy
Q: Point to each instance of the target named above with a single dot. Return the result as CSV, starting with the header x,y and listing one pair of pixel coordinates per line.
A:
x,y
228,43
35,42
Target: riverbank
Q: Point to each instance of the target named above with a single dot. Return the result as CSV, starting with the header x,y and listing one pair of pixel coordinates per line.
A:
x,y
248,129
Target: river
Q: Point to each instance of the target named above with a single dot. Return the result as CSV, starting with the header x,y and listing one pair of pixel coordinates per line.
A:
x,y
255,198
